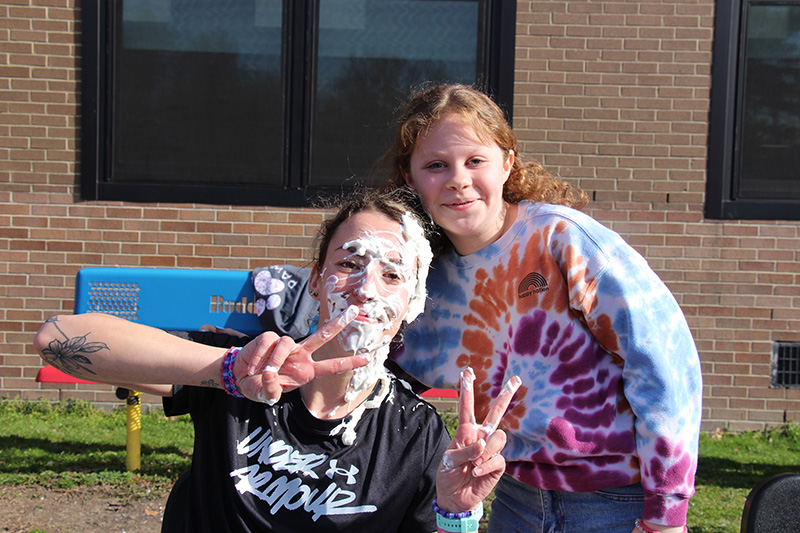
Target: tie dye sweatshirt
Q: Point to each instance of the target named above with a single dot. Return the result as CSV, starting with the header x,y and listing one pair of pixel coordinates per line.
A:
x,y
611,377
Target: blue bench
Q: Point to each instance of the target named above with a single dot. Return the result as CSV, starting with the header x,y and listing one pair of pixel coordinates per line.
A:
x,y
167,298
170,299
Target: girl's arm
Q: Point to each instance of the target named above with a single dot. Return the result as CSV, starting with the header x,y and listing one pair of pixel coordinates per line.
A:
x,y
662,382
633,315
108,349
472,464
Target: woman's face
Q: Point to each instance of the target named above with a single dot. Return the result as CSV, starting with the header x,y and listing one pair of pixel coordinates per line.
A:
x,y
460,180
369,264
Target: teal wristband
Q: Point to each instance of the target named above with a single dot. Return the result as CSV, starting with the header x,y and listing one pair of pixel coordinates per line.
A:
x,y
466,524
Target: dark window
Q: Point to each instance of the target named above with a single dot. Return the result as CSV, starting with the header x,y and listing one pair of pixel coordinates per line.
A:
x,y
785,365
754,138
267,101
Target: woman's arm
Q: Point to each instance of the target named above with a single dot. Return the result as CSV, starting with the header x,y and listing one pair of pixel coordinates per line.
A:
x,y
108,349
104,348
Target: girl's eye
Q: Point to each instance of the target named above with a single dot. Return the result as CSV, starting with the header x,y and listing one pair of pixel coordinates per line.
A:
x,y
435,166
475,162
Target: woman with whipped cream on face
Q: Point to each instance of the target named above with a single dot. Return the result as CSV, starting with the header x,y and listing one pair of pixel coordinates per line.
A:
x,y
351,449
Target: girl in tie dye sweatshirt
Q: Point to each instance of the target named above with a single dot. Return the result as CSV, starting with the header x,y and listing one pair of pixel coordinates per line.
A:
x,y
525,284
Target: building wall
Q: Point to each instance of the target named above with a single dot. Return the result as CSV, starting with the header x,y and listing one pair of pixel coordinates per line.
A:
x,y
613,95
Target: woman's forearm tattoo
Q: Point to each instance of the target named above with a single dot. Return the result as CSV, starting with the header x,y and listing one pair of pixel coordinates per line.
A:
x,y
70,356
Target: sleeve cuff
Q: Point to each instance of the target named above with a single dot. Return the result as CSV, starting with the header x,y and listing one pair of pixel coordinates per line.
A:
x,y
666,509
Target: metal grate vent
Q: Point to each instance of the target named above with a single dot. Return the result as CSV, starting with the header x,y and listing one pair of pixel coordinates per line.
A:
x,y
786,365
114,298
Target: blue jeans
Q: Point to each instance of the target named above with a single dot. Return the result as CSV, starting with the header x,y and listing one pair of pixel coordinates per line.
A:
x,y
524,509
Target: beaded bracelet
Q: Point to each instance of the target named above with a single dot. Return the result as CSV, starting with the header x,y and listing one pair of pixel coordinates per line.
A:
x,y
444,513
228,379
644,529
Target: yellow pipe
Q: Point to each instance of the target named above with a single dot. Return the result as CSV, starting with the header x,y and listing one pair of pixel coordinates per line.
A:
x,y
133,412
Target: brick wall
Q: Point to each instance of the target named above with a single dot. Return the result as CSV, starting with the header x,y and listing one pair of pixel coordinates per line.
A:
x,y
612,95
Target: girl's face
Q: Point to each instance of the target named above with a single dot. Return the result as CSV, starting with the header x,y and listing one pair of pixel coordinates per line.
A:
x,y
460,180
369,264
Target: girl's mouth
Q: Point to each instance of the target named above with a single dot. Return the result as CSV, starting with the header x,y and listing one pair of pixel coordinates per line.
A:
x,y
460,204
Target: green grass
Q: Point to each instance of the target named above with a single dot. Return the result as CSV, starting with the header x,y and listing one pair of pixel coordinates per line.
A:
x,y
730,466
70,444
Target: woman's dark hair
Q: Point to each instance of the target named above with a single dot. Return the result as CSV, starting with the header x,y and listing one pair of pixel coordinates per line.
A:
x,y
394,204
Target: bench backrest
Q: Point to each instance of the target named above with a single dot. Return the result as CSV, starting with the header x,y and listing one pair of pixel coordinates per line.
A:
x,y
170,298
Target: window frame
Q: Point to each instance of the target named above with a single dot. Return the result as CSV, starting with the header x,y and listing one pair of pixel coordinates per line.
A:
x,y
497,77
726,98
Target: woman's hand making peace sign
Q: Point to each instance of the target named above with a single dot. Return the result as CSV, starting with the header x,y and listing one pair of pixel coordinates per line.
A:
x,y
270,365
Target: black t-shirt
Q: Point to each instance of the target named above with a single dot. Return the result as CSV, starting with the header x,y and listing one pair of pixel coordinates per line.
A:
x,y
260,468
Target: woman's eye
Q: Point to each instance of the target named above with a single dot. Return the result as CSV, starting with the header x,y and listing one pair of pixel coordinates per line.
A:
x,y
393,277
348,265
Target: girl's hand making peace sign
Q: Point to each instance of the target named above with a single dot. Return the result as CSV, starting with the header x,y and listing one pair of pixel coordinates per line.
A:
x,y
472,464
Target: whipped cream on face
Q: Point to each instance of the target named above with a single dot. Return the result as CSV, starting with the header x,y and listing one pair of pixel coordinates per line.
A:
x,y
377,252
417,245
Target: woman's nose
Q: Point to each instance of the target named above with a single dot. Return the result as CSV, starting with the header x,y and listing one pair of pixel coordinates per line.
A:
x,y
368,288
